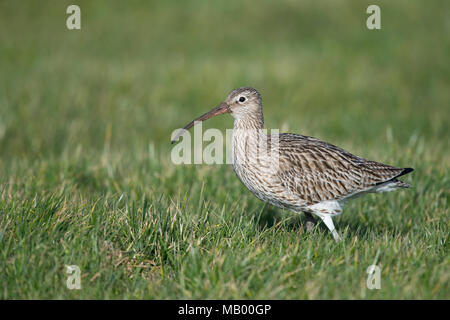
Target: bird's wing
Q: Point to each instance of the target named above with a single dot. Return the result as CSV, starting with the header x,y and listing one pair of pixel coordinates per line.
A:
x,y
319,171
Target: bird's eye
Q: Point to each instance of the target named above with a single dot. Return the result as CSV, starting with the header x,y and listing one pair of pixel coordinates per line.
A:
x,y
241,99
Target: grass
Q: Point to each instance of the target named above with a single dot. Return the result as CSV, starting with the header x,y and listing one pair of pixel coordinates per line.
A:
x,y
85,171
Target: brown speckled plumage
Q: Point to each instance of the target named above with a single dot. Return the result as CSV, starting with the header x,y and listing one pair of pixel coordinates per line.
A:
x,y
297,172
321,171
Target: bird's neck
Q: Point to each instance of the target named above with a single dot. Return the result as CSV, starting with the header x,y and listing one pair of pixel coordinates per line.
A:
x,y
251,121
250,144
248,133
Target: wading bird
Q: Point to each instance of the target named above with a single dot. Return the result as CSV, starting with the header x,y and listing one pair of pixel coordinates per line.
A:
x,y
297,172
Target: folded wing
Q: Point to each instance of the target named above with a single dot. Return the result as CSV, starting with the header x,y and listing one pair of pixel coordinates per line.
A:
x,y
319,171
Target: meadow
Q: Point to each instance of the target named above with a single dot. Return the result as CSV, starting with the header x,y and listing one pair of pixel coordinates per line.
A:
x,y
86,176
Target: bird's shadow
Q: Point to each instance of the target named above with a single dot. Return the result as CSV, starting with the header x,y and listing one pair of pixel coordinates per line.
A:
x,y
268,217
271,216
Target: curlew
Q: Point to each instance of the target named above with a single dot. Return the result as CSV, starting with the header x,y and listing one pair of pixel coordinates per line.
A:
x,y
296,172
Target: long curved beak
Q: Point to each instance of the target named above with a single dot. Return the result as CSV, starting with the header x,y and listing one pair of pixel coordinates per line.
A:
x,y
221,109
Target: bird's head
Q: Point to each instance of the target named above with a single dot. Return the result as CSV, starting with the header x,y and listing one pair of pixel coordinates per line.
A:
x,y
239,103
243,101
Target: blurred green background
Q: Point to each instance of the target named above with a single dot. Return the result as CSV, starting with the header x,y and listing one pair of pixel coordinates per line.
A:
x,y
145,68
86,118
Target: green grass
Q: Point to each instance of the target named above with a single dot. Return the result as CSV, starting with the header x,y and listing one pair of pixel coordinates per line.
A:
x,y
85,172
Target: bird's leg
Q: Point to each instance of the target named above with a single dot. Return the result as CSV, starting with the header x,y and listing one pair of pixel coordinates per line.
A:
x,y
310,222
328,220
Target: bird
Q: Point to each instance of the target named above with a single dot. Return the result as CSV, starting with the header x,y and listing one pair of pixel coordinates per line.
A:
x,y
296,172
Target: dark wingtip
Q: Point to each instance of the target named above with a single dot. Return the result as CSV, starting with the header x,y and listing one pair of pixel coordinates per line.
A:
x,y
405,171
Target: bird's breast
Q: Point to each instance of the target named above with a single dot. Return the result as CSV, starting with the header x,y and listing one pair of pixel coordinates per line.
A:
x,y
255,166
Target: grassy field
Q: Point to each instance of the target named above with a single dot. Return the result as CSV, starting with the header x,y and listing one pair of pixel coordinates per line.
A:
x,y
86,176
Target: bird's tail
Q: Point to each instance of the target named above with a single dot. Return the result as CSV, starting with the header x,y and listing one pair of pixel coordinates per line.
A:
x,y
401,184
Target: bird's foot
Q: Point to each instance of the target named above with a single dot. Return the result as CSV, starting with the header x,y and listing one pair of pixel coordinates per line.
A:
x,y
336,236
328,220
310,222
309,225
